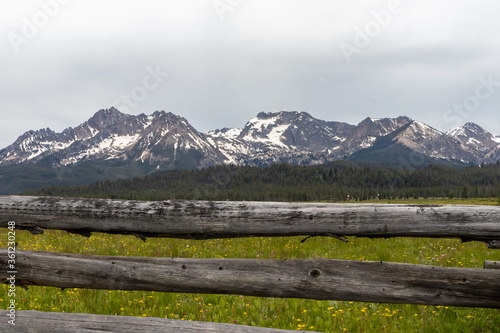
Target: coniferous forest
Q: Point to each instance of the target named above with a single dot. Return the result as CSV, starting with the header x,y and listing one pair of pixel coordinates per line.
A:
x,y
337,181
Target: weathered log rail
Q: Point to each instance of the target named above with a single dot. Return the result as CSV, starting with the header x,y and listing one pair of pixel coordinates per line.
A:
x,y
324,279
205,220
53,322
321,279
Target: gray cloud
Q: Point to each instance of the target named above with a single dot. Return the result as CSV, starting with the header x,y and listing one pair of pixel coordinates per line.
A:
x,y
263,56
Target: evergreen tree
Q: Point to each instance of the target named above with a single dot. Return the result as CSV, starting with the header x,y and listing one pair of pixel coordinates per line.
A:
x,y
465,192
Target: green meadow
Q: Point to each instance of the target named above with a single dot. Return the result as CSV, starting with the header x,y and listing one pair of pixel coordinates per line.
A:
x,y
293,314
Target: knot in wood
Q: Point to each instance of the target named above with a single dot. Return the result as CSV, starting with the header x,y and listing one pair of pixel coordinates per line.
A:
x,y
314,273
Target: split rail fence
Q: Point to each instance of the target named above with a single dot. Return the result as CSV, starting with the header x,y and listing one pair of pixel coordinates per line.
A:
x,y
322,279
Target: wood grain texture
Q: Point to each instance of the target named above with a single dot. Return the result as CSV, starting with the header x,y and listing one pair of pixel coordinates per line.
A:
x,y
322,279
207,219
54,322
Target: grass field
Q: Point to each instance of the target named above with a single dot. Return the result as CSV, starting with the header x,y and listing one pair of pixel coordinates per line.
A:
x,y
306,315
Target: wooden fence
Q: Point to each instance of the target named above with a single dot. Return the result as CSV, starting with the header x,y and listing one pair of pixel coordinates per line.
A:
x,y
307,278
53,322
207,219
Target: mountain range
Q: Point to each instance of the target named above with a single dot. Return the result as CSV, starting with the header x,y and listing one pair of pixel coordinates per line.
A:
x,y
128,145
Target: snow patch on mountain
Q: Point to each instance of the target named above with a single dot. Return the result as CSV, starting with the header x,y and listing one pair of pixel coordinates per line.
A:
x,y
228,133
265,130
169,141
368,142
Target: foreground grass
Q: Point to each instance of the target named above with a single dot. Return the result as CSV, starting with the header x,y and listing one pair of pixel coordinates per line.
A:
x,y
307,315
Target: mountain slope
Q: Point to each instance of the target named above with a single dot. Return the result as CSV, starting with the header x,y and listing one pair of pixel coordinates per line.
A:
x,y
430,142
412,146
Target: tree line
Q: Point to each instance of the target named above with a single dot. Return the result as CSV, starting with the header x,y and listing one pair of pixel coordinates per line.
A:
x,y
336,181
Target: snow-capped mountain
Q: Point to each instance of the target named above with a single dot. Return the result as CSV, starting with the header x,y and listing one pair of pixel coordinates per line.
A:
x,y
430,142
293,137
415,145
163,139
479,141
293,130
473,132
166,141
298,138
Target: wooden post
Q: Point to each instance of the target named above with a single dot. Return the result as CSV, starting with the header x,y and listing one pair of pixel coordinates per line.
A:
x,y
494,244
54,322
489,264
321,279
205,220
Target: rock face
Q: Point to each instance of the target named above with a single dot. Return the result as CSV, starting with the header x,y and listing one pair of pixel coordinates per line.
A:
x,y
168,141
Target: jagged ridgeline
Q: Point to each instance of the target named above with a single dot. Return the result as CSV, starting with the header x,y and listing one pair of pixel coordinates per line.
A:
x,y
113,145
334,181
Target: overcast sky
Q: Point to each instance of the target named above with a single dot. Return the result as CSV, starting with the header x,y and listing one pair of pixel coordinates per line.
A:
x,y
220,62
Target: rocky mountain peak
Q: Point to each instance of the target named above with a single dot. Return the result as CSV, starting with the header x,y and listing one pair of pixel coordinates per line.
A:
x,y
167,140
473,126
475,137
106,117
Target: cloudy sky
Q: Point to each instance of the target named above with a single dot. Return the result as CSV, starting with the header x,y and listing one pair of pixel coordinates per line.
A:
x,y
220,62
